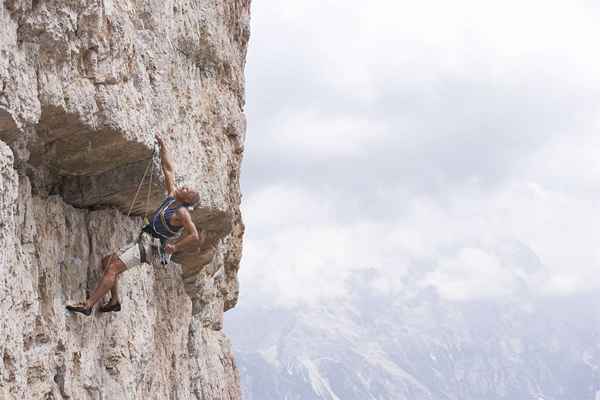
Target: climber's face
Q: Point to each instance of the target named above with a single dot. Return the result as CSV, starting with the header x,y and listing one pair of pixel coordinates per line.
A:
x,y
186,195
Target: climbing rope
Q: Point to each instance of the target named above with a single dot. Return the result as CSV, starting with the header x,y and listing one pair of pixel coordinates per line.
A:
x,y
149,188
137,192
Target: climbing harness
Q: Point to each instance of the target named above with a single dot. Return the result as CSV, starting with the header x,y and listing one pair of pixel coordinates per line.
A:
x,y
160,228
163,256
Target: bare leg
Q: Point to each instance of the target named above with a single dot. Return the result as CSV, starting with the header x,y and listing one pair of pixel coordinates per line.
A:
x,y
114,291
111,272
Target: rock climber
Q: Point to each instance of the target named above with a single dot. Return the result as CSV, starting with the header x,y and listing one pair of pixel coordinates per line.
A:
x,y
165,227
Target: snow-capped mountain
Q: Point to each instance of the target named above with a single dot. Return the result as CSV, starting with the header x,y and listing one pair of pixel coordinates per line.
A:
x,y
418,347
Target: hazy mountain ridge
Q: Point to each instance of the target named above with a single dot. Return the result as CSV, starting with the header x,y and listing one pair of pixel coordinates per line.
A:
x,y
420,347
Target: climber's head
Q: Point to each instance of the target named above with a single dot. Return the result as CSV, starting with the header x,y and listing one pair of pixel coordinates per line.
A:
x,y
187,196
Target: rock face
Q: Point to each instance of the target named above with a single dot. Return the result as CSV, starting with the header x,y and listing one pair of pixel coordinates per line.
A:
x,y
84,86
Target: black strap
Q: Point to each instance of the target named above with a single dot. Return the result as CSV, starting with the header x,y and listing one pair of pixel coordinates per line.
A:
x,y
150,231
163,256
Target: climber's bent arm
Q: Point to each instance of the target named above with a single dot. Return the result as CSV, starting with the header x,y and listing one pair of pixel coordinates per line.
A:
x,y
191,234
167,167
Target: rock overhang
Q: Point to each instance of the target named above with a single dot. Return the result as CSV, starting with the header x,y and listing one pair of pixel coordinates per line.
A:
x,y
90,167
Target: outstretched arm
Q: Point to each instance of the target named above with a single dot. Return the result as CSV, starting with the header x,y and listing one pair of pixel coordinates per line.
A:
x,y
167,167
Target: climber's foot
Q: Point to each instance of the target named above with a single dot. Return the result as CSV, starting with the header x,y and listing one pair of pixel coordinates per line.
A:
x,y
110,306
80,308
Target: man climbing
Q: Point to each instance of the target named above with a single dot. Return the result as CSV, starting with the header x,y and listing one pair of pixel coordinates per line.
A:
x,y
165,225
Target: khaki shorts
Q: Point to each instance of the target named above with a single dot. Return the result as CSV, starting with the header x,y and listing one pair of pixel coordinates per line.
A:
x,y
131,254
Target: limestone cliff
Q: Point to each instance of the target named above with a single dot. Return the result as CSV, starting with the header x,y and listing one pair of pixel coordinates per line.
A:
x,y
84,86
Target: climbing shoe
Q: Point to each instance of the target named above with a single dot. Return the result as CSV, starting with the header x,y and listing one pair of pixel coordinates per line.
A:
x,y
116,307
80,309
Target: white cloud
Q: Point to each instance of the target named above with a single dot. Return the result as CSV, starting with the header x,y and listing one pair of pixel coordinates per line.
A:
x,y
279,207
312,134
475,124
471,247
296,250
472,273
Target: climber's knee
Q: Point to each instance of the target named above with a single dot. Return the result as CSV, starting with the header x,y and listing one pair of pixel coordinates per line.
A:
x,y
115,267
106,260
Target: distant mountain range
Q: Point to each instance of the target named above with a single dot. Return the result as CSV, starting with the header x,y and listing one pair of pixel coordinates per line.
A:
x,y
418,347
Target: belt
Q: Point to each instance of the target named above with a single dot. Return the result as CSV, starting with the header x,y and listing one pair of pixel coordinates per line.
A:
x,y
163,256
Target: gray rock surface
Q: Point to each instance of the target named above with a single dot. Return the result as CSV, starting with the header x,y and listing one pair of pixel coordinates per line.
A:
x,y
84,86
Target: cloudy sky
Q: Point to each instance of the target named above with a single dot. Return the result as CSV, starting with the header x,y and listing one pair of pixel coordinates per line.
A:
x,y
452,145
